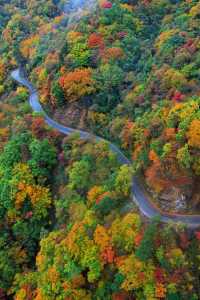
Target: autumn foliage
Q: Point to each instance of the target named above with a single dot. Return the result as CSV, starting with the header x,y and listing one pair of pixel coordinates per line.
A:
x,y
127,71
77,84
194,134
95,41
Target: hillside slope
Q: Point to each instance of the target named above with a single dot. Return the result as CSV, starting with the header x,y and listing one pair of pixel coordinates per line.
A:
x,y
129,72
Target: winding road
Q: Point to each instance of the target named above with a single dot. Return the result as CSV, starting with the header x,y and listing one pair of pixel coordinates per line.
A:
x,y
139,195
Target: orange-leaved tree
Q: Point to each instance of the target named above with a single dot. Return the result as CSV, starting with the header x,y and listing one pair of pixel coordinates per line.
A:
x,y
95,40
194,134
77,84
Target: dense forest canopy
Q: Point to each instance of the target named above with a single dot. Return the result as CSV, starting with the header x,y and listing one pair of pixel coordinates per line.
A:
x,y
127,71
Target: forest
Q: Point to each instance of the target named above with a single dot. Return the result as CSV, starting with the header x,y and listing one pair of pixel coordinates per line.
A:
x,y
127,71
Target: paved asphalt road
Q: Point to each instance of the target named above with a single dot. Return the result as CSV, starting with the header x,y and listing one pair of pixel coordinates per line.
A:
x,y
139,195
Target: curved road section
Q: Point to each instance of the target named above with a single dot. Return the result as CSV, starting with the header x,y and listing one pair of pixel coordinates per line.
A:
x,y
140,197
